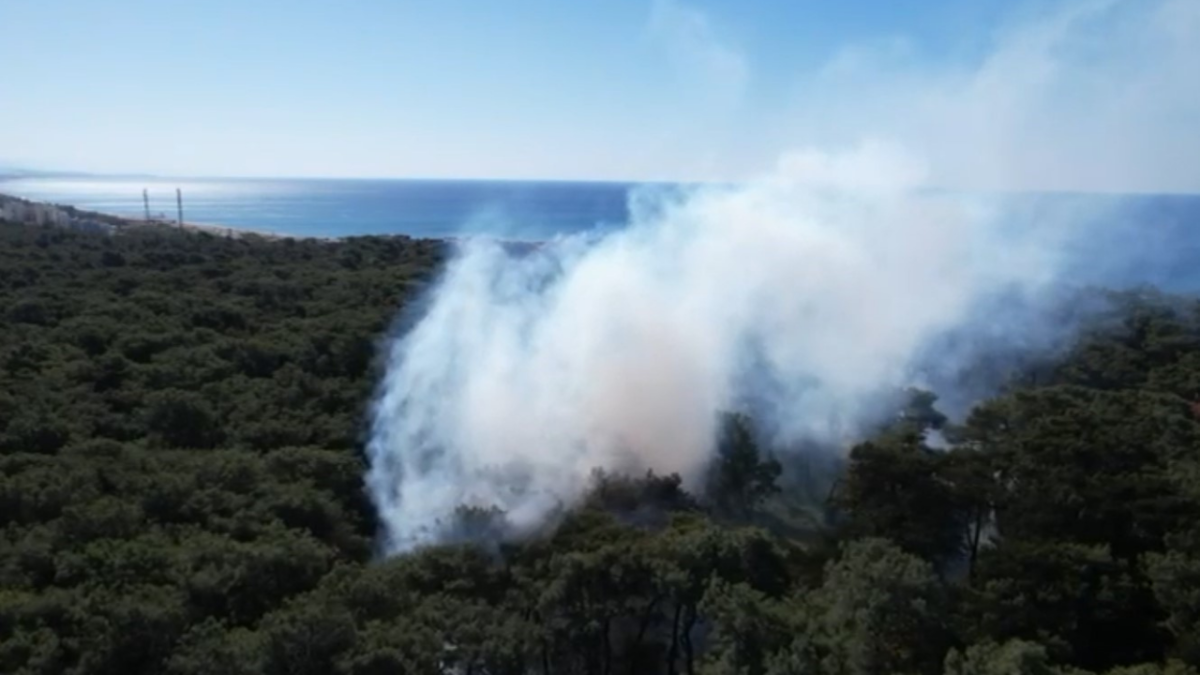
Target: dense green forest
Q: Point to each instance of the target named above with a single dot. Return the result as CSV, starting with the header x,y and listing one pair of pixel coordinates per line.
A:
x,y
181,420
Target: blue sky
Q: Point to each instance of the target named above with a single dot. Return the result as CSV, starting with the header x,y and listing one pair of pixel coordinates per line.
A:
x,y
625,89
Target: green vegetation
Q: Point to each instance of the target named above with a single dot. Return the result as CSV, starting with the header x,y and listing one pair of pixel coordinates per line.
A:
x,y
181,492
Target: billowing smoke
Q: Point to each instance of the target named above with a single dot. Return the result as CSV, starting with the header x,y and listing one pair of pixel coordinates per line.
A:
x,y
807,296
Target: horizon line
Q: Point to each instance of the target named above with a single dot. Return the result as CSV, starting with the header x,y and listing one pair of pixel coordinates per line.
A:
x,y
10,174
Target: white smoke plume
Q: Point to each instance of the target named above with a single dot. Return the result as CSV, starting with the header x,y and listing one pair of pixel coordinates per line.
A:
x,y
820,283
1073,95
808,294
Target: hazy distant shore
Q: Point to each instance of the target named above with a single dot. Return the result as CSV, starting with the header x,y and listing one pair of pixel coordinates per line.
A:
x,y
50,214
29,211
337,208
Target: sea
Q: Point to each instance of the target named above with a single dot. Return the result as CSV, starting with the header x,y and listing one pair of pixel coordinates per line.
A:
x,y
526,210
1144,239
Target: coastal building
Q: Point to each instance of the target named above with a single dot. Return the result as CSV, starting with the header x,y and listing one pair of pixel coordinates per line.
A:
x,y
48,215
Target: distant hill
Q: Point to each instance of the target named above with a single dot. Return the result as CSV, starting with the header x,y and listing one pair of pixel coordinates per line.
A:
x,y
13,172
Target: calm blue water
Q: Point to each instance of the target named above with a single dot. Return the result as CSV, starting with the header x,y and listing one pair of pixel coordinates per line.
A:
x,y
1132,240
330,208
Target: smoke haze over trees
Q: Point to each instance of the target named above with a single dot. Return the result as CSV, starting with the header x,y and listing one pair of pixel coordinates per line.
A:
x,y
861,414
181,488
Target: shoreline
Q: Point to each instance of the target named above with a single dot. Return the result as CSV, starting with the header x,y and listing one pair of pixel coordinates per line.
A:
x,y
52,214
22,209
215,230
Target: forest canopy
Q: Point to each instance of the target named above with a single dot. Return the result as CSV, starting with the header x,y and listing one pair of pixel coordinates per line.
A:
x,y
181,491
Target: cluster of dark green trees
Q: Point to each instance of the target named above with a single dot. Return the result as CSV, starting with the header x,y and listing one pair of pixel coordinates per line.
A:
x,y
181,492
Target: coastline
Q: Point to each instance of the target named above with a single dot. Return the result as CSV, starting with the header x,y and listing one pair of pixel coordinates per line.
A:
x,y
218,230
51,214
330,209
20,209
